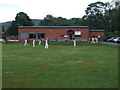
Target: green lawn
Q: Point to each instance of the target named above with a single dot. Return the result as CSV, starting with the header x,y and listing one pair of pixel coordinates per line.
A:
x,y
0,65
61,66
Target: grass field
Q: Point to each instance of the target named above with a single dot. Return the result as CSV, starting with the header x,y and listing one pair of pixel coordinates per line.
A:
x,y
0,65
61,66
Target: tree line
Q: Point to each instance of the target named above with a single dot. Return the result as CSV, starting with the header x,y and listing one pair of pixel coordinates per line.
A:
x,y
98,15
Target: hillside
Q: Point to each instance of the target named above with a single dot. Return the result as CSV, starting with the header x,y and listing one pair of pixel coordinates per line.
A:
x,y
8,23
36,21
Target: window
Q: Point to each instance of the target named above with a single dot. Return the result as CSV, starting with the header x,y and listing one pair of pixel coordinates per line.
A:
x,y
23,35
41,35
77,35
77,32
32,35
64,35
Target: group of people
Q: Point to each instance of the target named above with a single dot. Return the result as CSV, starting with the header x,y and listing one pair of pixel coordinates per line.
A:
x,y
94,40
46,43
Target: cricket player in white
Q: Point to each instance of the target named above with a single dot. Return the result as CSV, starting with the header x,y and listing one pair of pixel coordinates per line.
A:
x,y
33,43
97,40
39,42
25,42
46,43
93,40
74,42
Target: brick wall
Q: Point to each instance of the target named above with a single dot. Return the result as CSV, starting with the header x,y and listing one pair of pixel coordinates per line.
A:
x,y
55,33
96,33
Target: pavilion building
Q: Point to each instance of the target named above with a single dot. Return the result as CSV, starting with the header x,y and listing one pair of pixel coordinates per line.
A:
x,y
57,33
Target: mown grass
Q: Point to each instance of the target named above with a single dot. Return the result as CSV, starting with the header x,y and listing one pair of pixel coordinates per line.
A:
x,y
61,66
0,65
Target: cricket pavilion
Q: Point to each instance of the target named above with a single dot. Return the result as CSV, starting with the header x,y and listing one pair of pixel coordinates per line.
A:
x,y
57,33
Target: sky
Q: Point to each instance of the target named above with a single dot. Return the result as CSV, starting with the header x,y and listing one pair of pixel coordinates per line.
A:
x,y
38,9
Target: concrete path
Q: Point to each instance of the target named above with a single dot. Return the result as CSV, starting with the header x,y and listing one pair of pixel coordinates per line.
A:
x,y
109,43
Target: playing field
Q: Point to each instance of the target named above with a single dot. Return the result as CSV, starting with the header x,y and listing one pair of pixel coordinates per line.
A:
x,y
60,66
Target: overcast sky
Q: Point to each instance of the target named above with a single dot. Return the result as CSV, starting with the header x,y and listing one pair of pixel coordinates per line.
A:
x,y
38,9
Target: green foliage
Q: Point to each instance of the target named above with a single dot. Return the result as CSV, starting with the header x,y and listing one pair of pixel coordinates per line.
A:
x,y
3,28
60,22
21,19
49,20
101,15
94,15
12,29
118,21
113,34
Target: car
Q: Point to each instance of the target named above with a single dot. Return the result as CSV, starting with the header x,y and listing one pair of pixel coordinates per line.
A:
x,y
111,39
105,39
116,39
2,40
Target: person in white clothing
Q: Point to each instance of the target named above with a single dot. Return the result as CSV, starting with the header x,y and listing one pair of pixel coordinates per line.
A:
x,y
25,42
92,40
46,43
39,42
74,42
33,43
96,40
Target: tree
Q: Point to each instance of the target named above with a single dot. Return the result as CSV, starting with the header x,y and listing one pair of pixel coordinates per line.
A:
x,y
3,28
12,29
77,22
21,19
95,15
47,20
118,21
59,21
50,20
111,17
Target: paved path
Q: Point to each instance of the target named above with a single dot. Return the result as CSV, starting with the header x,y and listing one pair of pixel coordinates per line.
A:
x,y
109,43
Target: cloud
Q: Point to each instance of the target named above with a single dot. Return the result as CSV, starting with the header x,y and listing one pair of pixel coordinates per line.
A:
x,y
38,9
10,3
4,5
